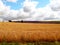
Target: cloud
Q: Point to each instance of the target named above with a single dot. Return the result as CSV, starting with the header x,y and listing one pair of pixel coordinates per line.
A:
x,y
6,13
55,5
50,12
2,6
4,10
11,0
29,11
29,6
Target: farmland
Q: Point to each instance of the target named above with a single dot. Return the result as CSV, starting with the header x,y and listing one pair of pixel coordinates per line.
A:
x,y
30,33
10,31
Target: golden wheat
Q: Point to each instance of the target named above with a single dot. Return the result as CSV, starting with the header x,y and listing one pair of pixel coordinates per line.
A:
x,y
10,31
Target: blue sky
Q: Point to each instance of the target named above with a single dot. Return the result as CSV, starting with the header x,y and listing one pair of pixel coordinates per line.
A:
x,y
30,9
18,5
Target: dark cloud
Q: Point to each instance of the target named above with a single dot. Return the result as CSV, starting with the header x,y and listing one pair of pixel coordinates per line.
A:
x,y
26,9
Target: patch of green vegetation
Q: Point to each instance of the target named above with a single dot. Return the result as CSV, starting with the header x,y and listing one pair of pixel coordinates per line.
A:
x,y
31,43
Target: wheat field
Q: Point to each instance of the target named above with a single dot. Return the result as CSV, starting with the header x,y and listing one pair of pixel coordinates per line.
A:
x,y
10,31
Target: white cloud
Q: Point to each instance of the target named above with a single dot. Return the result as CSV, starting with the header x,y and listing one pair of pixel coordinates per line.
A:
x,y
11,0
4,10
55,5
6,13
50,12
2,6
31,4
29,11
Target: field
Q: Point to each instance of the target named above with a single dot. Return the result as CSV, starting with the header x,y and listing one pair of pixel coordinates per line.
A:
x,y
29,32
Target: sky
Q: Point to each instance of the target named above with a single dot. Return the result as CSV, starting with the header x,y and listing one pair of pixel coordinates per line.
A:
x,y
30,10
17,5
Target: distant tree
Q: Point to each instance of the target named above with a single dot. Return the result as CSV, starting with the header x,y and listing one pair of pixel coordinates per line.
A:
x,y
10,21
21,20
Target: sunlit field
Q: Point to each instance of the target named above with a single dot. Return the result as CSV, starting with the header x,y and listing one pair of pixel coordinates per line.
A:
x,y
29,33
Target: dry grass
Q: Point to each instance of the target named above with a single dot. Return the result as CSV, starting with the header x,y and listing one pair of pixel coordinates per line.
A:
x,y
29,31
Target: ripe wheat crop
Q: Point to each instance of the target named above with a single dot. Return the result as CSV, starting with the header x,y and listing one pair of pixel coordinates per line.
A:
x,y
10,31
